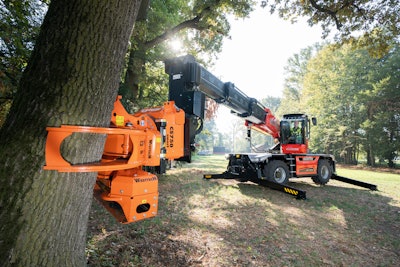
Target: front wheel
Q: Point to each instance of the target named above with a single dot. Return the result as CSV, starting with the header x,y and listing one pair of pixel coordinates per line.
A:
x,y
277,171
324,172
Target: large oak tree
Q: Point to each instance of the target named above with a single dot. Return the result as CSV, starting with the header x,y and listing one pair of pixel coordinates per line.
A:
x,y
72,78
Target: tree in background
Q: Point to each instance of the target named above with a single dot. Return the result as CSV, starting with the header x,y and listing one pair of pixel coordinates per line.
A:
x,y
19,23
330,95
19,26
381,106
205,140
273,103
237,138
356,99
295,70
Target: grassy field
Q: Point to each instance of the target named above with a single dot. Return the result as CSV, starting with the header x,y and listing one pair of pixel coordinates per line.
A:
x,y
227,223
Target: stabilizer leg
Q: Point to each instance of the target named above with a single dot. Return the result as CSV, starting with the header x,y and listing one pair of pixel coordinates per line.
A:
x,y
355,182
299,194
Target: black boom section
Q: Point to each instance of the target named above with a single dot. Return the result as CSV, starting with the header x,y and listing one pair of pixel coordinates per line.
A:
x,y
187,79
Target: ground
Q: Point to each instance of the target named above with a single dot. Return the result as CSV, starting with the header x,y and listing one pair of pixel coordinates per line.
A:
x,y
227,223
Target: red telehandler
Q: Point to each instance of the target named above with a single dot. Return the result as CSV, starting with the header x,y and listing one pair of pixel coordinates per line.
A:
x,y
138,146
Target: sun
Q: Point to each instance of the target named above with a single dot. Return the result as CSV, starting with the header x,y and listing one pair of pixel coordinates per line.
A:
x,y
176,45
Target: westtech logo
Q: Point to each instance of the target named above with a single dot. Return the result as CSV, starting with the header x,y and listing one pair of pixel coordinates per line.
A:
x,y
143,180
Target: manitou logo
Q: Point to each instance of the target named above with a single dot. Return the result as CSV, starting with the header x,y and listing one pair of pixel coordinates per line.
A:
x,y
307,170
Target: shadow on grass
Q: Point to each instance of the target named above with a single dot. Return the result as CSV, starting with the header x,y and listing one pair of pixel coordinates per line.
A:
x,y
226,223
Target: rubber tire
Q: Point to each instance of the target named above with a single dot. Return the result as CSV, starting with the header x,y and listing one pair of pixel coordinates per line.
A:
x,y
324,172
277,171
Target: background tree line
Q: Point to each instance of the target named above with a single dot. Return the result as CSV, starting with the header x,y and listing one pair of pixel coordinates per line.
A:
x,y
354,95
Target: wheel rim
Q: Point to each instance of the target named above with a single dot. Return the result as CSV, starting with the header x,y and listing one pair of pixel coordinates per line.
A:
x,y
324,172
279,175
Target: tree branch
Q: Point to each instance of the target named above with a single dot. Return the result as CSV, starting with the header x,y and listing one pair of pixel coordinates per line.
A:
x,y
193,23
327,11
359,9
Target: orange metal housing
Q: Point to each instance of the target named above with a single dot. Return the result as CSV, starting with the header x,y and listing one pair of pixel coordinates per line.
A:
x,y
134,190
306,165
133,141
147,119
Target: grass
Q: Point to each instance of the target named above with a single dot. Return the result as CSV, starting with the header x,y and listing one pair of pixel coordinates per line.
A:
x,y
227,223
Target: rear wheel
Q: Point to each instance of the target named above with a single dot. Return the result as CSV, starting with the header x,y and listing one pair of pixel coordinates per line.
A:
x,y
324,172
277,171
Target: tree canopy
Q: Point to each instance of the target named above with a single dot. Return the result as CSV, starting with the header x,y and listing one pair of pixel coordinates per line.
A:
x,y
377,21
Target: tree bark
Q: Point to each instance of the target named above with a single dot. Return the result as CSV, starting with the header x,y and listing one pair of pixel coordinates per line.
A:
x,y
370,155
72,78
134,70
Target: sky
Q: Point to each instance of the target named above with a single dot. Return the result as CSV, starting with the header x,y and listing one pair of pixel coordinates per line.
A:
x,y
258,50
255,56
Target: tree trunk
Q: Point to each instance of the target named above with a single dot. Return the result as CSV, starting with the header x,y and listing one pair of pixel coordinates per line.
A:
x,y
370,156
72,78
135,68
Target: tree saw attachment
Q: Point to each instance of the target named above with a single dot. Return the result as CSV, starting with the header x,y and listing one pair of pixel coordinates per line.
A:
x,y
134,144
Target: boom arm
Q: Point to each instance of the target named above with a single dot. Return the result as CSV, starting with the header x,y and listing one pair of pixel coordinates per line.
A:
x,y
189,82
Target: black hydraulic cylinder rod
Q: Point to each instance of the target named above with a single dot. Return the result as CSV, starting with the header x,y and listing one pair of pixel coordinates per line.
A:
x,y
355,182
187,75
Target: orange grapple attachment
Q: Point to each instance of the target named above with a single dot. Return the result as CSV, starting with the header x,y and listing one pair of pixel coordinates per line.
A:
x,y
133,142
129,148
